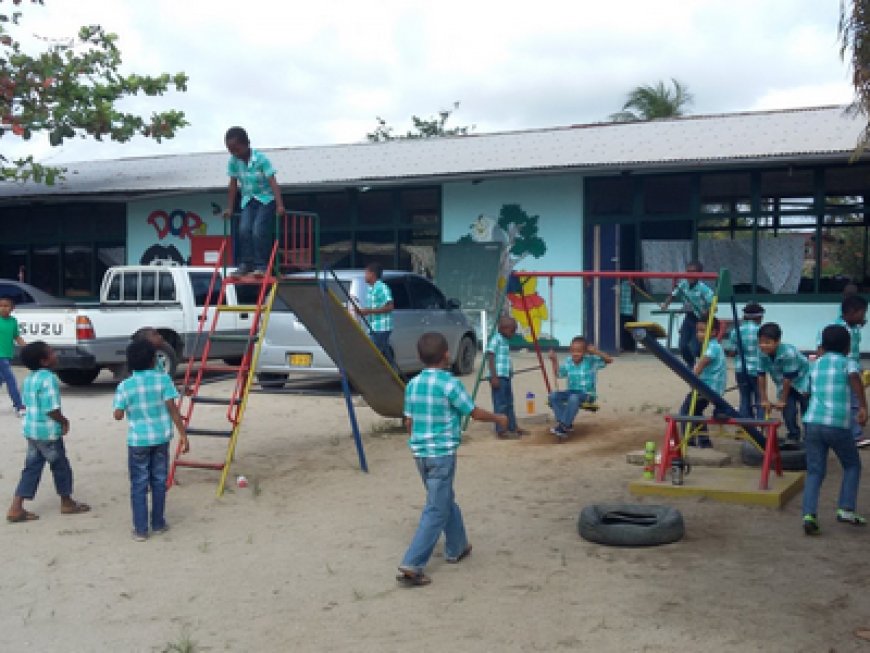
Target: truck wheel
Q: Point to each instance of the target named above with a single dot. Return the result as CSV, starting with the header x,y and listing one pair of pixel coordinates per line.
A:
x,y
168,358
463,361
78,377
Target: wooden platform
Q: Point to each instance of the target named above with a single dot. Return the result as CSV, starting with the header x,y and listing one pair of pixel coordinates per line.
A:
x,y
726,484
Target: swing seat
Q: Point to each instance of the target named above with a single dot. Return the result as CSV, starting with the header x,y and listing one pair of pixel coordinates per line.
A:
x,y
591,406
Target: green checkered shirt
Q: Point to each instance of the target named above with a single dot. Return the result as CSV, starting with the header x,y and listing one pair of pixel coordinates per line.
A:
x,y
379,295
435,401
498,346
831,394
143,396
581,376
716,372
253,177
697,298
41,395
749,340
854,339
787,363
626,301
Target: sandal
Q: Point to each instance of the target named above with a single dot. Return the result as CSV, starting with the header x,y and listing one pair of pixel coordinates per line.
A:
x,y
460,557
411,578
24,515
75,509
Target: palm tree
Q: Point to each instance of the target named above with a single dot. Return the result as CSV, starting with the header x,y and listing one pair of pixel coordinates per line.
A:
x,y
855,40
652,102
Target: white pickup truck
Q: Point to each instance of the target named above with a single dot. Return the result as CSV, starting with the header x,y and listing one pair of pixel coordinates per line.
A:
x,y
167,297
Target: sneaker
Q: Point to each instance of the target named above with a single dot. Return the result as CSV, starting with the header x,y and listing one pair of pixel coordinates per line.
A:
x,y
259,272
850,517
863,442
568,428
161,530
137,536
558,431
811,525
20,412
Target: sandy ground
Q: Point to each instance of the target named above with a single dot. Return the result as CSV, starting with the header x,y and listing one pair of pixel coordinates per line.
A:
x,y
304,558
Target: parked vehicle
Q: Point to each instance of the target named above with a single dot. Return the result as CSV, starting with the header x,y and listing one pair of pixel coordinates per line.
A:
x,y
23,294
288,349
167,297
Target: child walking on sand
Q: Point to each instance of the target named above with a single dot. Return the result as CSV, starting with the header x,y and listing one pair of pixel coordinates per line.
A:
x,y
9,337
834,378
435,402
581,369
44,426
147,398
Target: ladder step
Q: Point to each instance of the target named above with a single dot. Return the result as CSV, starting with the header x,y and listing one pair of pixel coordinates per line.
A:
x,y
231,337
250,308
217,433
197,464
216,401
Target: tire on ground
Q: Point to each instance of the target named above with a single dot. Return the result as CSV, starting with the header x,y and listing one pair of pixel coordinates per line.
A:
x,y
794,458
631,524
78,377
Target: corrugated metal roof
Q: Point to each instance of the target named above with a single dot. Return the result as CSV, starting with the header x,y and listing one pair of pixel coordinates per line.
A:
x,y
825,132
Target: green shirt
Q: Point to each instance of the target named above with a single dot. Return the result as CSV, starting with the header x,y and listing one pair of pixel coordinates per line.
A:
x,y
696,298
40,395
715,373
831,393
500,349
787,363
253,177
749,340
435,401
143,396
378,296
581,376
8,335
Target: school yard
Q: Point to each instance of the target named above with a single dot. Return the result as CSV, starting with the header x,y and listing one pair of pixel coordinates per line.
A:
x,y
304,558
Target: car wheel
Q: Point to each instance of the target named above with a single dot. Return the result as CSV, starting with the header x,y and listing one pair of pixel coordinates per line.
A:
x,y
167,357
631,525
272,381
78,377
463,361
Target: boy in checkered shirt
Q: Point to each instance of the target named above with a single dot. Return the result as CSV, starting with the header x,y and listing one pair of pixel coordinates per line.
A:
x,y
581,369
147,398
501,371
827,422
745,337
44,426
379,310
789,370
435,402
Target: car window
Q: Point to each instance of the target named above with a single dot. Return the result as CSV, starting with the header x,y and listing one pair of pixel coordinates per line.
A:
x,y
166,291
199,283
397,286
148,281
424,295
131,286
114,292
16,294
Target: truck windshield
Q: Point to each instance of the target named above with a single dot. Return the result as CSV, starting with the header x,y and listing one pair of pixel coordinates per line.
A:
x,y
199,283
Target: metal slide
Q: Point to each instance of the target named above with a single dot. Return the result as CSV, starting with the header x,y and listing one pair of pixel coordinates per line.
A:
x,y
333,327
648,338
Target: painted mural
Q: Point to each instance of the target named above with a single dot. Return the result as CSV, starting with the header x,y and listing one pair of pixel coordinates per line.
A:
x,y
164,228
518,232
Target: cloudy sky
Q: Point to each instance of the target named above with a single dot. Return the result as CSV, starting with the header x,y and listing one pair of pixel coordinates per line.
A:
x,y
313,73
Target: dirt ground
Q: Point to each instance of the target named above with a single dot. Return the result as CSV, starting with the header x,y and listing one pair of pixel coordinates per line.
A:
x,y
304,559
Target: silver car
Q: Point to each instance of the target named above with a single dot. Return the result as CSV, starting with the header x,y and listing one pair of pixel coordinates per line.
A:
x,y
419,306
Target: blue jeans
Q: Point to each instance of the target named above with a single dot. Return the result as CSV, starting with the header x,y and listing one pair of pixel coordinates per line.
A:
x,y
255,234
566,404
440,514
856,428
688,343
7,377
40,452
818,440
148,467
381,340
701,403
794,403
503,401
748,387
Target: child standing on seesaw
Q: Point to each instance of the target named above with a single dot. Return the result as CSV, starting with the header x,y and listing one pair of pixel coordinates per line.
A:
x,y
834,377
789,370
711,369
501,371
581,369
44,427
147,398
747,379
435,402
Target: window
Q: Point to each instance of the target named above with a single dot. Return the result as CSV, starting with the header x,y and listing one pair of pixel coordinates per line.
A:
x,y
667,194
334,210
113,294
610,195
148,292
401,300
15,293
45,270
130,287
375,208
424,295
200,283
166,288
726,194
78,262
374,246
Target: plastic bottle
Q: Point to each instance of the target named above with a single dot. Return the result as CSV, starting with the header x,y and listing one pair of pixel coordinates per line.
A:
x,y
649,460
677,470
530,402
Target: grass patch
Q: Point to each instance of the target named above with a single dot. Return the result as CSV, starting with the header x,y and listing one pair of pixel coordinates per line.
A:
x,y
184,644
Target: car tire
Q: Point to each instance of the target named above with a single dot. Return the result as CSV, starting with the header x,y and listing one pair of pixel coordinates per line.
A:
x,y
630,524
794,457
78,377
463,361
167,355
272,381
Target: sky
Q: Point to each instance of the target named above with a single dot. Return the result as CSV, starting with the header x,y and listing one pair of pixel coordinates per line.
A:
x,y
318,73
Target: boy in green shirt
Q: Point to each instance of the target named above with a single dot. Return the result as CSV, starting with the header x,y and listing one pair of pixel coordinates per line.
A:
x,y
9,337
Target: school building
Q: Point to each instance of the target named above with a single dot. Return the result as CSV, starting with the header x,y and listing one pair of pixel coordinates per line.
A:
x,y
772,196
